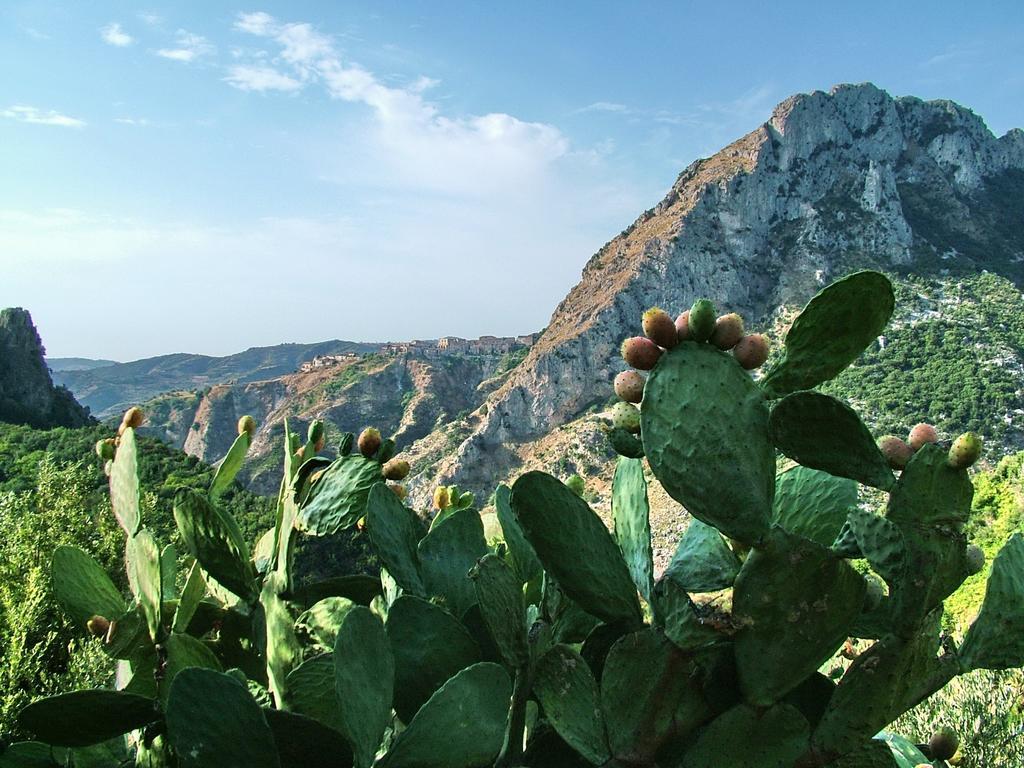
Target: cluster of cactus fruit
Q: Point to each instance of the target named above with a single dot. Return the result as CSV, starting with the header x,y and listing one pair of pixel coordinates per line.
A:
x,y
557,646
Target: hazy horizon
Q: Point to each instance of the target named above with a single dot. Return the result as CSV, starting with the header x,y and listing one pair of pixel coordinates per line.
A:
x,y
208,177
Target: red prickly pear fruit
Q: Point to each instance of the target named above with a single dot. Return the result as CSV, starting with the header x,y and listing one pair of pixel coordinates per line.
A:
x,y
944,744
629,385
896,452
105,449
626,416
315,434
701,320
922,434
98,626
728,331
369,441
396,469
975,559
659,328
399,491
640,353
442,499
965,450
132,418
575,484
751,351
683,326
247,424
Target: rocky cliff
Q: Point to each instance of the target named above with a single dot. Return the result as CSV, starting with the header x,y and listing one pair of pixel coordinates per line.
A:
x,y
27,394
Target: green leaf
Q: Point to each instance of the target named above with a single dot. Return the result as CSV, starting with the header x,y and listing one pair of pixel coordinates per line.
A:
x,y
229,466
446,555
995,640
395,533
835,327
705,432
213,722
500,596
461,726
703,562
744,736
813,504
211,539
82,587
575,547
824,433
525,559
364,675
566,688
302,742
429,646
81,718
340,497
143,559
632,525
124,484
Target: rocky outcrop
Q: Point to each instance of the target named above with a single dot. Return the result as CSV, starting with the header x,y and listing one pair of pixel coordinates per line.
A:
x,y
27,394
831,182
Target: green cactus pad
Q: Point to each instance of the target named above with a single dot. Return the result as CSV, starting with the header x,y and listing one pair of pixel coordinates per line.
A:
x,y
395,533
523,557
705,433
575,547
447,553
303,742
871,754
813,504
322,620
124,484
142,557
566,688
34,754
184,651
358,587
835,327
283,652
169,571
703,562
649,692
340,496
824,433
310,691
820,598
461,726
81,718
500,596
744,736
211,539
213,722
229,466
930,492
676,614
995,639
632,525
82,587
191,595
881,542
364,675
429,646
902,751
625,443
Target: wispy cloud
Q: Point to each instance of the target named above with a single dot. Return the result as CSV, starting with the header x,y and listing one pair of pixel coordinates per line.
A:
x,y
35,34
604,106
188,48
114,34
149,18
261,78
139,121
36,116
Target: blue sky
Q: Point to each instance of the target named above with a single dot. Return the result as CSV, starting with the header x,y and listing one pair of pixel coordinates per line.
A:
x,y
208,176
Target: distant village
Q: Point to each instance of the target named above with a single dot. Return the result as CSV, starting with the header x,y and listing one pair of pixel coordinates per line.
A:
x,y
447,345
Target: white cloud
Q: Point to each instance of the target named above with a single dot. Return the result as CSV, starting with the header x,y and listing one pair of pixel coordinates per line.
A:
x,y
26,114
140,121
261,78
189,47
152,19
113,34
35,34
604,106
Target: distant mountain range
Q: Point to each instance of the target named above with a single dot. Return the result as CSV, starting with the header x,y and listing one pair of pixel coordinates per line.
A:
x,y
60,364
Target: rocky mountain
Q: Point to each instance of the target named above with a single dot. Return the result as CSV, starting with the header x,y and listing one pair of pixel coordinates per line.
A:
x,y
27,394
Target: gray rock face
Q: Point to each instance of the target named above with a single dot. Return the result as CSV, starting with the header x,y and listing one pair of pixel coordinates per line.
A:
x,y
831,182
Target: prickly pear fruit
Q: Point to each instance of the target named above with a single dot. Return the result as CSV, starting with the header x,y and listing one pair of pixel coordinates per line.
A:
x,y
465,499
728,331
975,559
965,451
575,484
133,418
702,320
896,452
247,424
922,434
751,351
399,490
98,626
659,328
943,744
441,498
315,434
629,385
626,416
105,449
640,352
683,326
396,469
369,441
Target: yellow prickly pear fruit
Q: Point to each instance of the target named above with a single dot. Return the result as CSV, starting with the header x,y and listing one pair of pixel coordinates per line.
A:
x,y
659,327
369,441
133,418
441,497
965,450
396,469
247,424
98,626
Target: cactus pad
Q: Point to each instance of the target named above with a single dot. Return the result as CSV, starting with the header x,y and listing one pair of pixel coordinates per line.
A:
x,y
212,540
500,596
446,555
773,738
339,499
82,587
703,562
632,526
230,466
881,542
995,639
523,557
81,718
303,742
813,504
124,484
566,688
395,533
142,557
